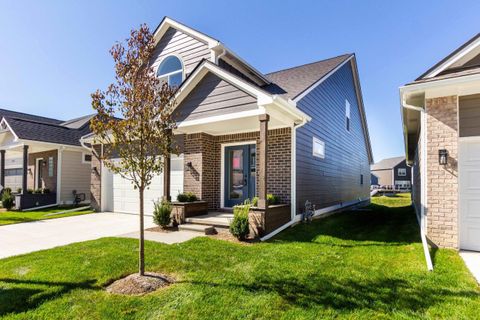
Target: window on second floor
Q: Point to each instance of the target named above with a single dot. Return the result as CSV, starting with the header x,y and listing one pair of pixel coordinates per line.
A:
x,y
318,148
402,172
171,71
347,115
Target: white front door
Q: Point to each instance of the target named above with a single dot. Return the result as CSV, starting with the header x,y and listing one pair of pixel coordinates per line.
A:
x,y
469,193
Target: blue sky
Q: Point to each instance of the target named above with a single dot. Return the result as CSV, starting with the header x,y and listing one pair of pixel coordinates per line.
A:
x,y
53,54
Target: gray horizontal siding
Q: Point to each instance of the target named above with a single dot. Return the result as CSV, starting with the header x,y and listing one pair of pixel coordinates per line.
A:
x,y
176,42
469,116
213,96
336,178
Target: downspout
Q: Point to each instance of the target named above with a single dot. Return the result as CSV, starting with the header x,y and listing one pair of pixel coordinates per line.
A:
x,y
423,178
294,168
217,58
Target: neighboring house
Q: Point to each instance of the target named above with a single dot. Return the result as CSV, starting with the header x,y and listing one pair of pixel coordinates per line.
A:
x,y
441,121
317,148
44,154
392,172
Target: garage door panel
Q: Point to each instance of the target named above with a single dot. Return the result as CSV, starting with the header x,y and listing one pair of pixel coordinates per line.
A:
x,y
469,193
126,199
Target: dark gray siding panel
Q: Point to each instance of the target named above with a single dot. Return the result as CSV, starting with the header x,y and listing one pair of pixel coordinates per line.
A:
x,y
469,116
336,178
214,96
403,165
189,49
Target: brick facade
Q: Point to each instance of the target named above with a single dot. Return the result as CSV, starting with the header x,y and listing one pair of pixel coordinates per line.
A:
x,y
442,183
95,181
49,182
204,152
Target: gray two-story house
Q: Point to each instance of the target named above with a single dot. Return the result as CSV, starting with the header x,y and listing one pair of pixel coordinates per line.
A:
x,y
299,133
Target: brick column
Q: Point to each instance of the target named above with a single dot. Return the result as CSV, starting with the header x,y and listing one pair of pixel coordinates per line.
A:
x,y
2,168
25,169
442,181
262,161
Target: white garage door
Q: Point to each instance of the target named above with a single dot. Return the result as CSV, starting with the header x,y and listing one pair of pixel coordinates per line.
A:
x,y
469,193
125,198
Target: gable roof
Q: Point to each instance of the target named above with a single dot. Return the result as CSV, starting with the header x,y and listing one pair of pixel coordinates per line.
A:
x,y
36,128
292,82
387,164
26,116
446,65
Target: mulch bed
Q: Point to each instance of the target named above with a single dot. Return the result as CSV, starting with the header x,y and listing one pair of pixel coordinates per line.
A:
x,y
224,234
135,284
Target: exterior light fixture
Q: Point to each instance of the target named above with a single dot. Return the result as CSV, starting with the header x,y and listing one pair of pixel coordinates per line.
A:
x,y
442,157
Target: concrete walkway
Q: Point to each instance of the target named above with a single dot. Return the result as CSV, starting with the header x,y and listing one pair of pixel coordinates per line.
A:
x,y
472,260
39,235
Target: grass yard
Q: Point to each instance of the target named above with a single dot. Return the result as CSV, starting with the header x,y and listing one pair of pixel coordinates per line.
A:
x,y
354,265
11,217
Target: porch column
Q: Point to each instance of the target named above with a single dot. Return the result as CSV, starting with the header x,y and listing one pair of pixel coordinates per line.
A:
x,y
166,179
166,174
25,169
2,168
262,161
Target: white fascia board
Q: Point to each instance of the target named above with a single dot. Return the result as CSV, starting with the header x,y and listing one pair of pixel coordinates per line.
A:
x,y
168,22
444,87
316,84
223,117
194,79
454,59
4,121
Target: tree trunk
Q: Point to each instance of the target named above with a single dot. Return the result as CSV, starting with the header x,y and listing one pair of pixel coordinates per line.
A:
x,y
141,257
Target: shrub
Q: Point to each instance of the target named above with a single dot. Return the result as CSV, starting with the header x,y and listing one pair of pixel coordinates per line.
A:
x,y
29,191
161,213
239,226
272,199
37,191
186,197
19,190
45,191
7,190
7,200
255,202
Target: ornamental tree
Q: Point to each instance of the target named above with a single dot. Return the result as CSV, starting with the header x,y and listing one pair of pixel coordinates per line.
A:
x,y
134,121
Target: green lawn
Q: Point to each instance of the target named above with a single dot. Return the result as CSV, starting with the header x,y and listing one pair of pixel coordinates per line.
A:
x,y
11,217
355,265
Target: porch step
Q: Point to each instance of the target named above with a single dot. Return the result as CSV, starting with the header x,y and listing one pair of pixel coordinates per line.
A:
x,y
197,228
215,219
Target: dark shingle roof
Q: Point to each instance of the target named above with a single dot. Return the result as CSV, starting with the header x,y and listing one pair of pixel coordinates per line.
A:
x,y
26,116
387,164
289,83
36,128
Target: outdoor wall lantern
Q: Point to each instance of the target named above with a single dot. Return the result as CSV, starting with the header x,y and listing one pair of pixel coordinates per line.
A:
x,y
189,166
95,171
442,157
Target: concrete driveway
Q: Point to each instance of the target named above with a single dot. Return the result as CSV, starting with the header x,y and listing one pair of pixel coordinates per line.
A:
x,y
39,235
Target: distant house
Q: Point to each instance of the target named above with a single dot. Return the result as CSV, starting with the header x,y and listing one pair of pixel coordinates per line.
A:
x,y
391,172
441,121
39,153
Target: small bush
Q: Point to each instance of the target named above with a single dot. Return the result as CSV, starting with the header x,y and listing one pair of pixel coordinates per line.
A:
x,y
272,199
38,191
29,191
255,202
7,190
7,200
239,227
19,190
162,213
186,197
45,191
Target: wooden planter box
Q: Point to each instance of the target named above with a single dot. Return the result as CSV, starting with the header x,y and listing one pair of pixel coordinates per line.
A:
x,y
183,210
264,221
28,201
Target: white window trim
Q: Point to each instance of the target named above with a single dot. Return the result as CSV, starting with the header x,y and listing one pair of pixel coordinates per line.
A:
x,y
315,140
83,158
403,170
348,116
37,173
170,73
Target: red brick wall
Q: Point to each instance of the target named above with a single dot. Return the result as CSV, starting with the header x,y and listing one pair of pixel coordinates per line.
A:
x,y
442,184
204,152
